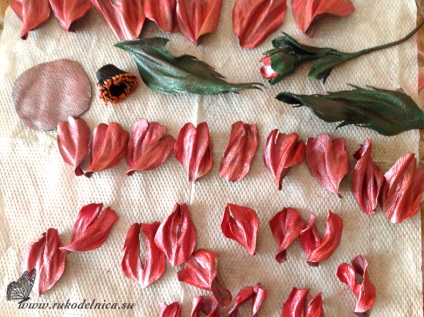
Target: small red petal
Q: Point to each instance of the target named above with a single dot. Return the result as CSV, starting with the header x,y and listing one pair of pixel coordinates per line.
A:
x,y
367,179
176,236
198,17
266,69
171,310
318,251
241,225
163,12
307,12
148,146
286,226
31,12
72,140
255,20
193,149
402,189
68,11
155,263
238,155
208,305
364,290
125,18
256,293
315,308
328,161
45,257
295,304
108,146
283,151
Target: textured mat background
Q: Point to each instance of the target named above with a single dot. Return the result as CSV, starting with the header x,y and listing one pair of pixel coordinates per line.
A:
x,y
38,190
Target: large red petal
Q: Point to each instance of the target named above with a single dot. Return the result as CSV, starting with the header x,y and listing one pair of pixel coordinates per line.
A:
x,y
295,304
171,310
241,224
255,20
256,293
67,11
208,305
31,12
163,12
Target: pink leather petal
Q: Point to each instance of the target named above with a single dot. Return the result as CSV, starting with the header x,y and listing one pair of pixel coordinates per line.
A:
x,y
171,310
163,12
68,11
31,12
295,304
209,306
256,293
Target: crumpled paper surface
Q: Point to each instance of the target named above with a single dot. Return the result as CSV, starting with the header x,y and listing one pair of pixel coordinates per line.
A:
x,y
38,190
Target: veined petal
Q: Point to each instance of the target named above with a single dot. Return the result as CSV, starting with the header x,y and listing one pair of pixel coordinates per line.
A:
x,y
31,12
171,310
68,11
208,305
163,12
256,293
295,304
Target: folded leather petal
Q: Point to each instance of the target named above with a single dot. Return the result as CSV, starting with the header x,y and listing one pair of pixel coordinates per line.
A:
x,y
125,18
316,250
201,271
241,225
171,310
176,236
193,149
307,12
72,140
402,189
286,226
315,308
367,179
108,146
68,11
235,163
356,276
31,12
295,304
45,257
328,161
91,228
255,20
155,260
256,293
208,305
197,17
148,146
283,151
163,12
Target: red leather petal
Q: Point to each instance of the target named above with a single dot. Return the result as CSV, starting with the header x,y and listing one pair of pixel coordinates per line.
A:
x,y
148,146
45,257
198,17
367,179
362,287
255,20
193,149
155,260
163,12
402,189
72,140
315,308
283,151
31,12
307,12
91,228
171,310
208,305
125,18
238,155
108,146
295,304
241,225
256,293
328,161
68,11
176,236
318,251
286,226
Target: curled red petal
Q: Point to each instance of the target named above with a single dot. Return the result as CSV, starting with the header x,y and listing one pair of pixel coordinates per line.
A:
x,y
241,225
193,149
367,179
72,140
356,276
155,260
208,305
307,12
68,11
318,251
283,151
238,155
108,146
176,236
256,293
163,12
286,226
255,20
125,18
31,12
91,228
402,189
315,308
295,304
148,146
45,257
328,161
171,310
198,17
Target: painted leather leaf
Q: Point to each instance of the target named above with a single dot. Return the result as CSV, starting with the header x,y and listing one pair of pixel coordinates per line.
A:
x,y
163,12
256,293
31,12
168,74
148,146
207,305
171,310
68,11
45,257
